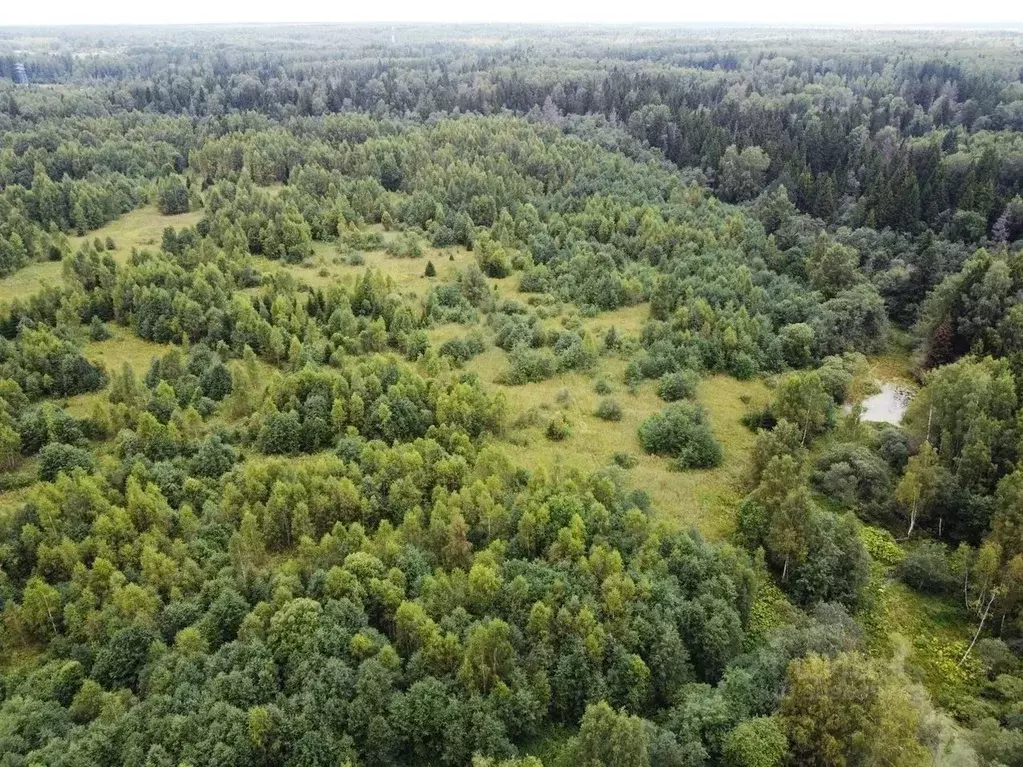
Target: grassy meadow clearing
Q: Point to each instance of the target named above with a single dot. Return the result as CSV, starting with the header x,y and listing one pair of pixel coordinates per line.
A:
x,y
138,229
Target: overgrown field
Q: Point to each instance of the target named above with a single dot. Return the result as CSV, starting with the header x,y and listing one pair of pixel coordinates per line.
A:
x,y
491,397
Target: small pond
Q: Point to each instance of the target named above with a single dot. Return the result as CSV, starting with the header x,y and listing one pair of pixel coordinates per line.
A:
x,y
888,405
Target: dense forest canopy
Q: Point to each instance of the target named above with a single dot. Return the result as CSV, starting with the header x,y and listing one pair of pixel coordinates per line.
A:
x,y
493,395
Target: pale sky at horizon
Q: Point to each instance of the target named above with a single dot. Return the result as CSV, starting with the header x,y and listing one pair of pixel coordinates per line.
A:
x,y
799,12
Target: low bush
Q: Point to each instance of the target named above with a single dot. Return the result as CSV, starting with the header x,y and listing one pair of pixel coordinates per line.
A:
x,y
558,428
363,239
681,431
527,365
926,568
97,330
608,410
405,245
462,349
677,386
624,460
58,457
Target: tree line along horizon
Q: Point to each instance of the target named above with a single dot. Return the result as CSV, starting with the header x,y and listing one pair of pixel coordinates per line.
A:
x,y
298,536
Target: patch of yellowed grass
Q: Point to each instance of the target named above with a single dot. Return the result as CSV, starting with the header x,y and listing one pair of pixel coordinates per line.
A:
x,y
894,366
438,334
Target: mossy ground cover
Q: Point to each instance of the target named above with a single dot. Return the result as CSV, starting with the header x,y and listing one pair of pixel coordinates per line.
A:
x,y
931,632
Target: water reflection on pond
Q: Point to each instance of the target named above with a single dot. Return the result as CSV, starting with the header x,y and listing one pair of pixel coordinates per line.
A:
x,y
888,405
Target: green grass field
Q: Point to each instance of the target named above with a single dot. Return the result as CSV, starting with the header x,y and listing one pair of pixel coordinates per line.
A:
x,y
122,347
30,279
700,499
703,499
139,229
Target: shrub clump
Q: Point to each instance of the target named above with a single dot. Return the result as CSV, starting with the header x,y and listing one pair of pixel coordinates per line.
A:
x,y
677,386
462,349
558,428
527,365
608,410
405,245
625,460
681,431
58,457
926,568
97,330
